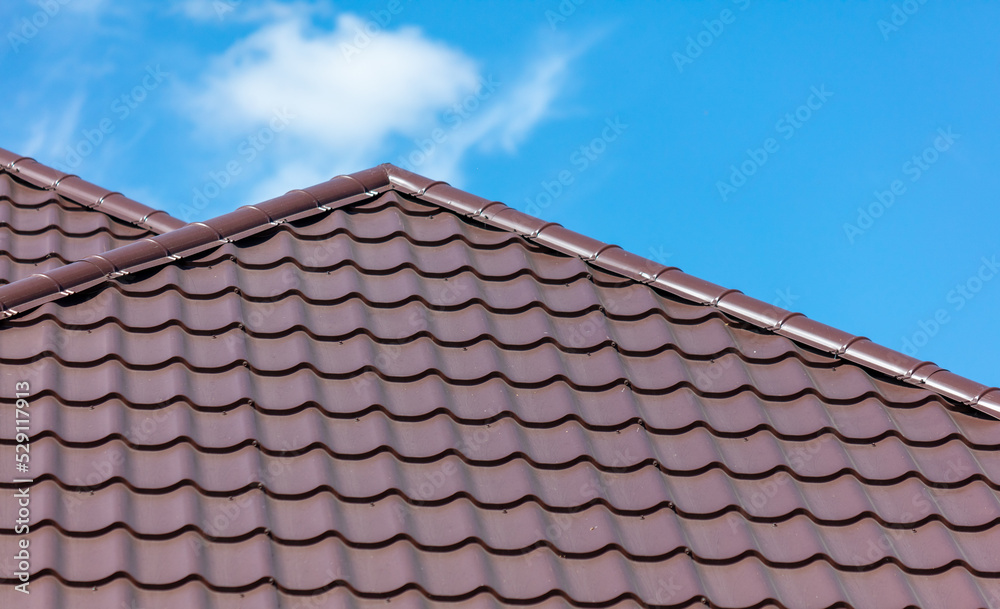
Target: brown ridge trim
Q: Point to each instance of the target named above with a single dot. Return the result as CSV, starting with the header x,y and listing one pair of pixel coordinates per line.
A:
x,y
794,326
188,240
89,195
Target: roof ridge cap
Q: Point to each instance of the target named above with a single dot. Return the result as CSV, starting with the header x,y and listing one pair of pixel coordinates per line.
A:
x,y
792,325
188,240
87,194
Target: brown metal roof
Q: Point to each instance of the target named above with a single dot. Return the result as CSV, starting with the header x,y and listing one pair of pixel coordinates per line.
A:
x,y
382,389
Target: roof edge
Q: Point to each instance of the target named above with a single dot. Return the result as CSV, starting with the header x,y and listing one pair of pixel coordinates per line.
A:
x,y
794,326
188,240
73,188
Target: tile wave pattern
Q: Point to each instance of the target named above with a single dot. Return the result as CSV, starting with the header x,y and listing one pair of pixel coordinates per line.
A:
x,y
389,402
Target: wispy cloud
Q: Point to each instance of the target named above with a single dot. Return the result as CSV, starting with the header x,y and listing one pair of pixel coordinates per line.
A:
x,y
361,93
200,10
48,138
507,119
243,10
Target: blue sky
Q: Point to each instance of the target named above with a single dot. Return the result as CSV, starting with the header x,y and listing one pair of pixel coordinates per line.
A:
x,y
835,159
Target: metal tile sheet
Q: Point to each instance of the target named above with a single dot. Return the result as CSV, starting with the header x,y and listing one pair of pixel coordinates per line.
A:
x,y
394,403
40,231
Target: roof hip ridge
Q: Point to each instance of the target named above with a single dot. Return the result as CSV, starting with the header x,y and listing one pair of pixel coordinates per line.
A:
x,y
792,325
72,188
188,240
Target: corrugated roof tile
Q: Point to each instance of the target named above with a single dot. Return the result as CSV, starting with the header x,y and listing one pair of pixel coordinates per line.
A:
x,y
393,398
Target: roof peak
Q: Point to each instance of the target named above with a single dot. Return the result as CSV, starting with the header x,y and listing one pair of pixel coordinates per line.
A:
x,y
345,190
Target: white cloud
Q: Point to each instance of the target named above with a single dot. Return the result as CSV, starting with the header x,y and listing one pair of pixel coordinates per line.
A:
x,y
341,100
360,91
